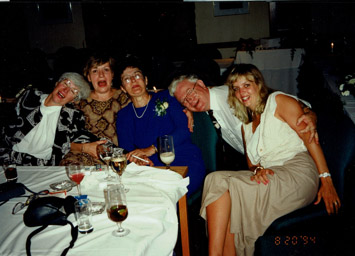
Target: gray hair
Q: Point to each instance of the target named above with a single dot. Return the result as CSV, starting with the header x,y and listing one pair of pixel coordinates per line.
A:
x,y
80,82
174,84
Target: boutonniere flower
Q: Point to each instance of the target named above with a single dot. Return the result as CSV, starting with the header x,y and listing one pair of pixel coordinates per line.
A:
x,y
161,107
348,86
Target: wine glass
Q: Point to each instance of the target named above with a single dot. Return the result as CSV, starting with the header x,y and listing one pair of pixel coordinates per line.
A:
x,y
116,208
118,164
166,150
105,152
76,173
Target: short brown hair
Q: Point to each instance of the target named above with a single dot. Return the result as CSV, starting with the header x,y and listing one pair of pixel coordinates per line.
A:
x,y
98,59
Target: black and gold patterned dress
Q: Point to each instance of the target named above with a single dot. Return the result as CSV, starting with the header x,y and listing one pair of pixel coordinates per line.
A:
x,y
100,119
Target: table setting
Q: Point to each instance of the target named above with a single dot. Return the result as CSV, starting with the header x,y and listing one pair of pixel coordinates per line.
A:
x,y
149,212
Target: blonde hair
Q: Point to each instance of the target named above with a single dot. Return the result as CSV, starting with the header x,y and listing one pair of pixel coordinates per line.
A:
x,y
252,74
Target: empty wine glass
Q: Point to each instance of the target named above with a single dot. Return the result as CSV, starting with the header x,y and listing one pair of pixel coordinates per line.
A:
x,y
119,164
116,208
166,150
76,173
105,152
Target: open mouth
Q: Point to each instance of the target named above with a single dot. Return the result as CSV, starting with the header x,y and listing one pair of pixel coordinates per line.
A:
x,y
61,95
245,98
102,83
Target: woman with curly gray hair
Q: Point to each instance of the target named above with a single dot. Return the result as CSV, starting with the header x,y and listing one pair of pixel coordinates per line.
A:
x,y
80,83
47,126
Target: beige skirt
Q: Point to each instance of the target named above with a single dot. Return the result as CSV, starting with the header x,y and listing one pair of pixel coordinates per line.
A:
x,y
255,206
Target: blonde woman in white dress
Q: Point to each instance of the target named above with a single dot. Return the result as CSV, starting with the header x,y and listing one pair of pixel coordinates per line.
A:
x,y
284,168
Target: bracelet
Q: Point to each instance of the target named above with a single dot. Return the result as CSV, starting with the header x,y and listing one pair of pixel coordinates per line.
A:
x,y
324,175
257,168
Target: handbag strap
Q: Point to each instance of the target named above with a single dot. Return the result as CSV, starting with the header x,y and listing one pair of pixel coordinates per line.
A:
x,y
74,235
28,241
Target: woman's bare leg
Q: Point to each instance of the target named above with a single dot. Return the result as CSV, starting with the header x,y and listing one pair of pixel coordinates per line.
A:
x,y
229,247
218,222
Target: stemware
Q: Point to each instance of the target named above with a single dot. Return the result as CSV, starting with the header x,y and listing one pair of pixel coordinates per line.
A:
x,y
166,150
105,152
76,173
119,164
116,207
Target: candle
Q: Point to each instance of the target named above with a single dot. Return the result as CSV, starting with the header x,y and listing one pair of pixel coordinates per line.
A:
x,y
331,47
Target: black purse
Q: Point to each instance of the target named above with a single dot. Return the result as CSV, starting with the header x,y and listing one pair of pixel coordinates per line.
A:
x,y
10,190
44,211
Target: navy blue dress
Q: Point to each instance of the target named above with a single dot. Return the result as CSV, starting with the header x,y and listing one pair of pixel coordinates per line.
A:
x,y
142,132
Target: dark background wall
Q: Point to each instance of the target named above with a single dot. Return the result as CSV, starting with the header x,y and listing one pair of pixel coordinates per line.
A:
x,y
39,42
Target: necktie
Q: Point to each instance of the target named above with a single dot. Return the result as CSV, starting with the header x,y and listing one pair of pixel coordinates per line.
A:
x,y
215,122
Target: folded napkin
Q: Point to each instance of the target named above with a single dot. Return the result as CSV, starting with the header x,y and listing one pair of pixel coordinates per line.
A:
x,y
168,182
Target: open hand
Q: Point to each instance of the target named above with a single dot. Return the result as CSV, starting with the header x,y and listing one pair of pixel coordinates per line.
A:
x,y
261,176
330,197
310,120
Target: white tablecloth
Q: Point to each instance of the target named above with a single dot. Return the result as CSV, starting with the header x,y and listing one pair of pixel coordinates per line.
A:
x,y
152,216
278,68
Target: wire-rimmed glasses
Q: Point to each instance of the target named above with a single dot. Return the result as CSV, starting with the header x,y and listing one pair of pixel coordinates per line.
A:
x,y
69,85
190,92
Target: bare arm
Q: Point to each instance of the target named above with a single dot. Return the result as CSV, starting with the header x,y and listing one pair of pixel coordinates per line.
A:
x,y
190,119
142,153
289,110
88,148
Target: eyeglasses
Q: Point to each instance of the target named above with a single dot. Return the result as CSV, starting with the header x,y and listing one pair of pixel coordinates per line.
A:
x,y
136,76
69,85
188,94
19,206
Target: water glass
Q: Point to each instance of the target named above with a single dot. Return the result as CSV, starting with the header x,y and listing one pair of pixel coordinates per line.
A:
x,y
83,215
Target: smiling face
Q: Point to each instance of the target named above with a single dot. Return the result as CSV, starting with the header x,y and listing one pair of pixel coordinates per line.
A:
x,y
193,96
134,82
101,77
64,92
247,92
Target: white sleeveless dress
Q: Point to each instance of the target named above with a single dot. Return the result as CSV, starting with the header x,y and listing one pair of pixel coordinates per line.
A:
x,y
274,145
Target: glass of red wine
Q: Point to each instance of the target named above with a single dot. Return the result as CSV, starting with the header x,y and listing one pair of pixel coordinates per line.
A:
x,y
76,173
116,207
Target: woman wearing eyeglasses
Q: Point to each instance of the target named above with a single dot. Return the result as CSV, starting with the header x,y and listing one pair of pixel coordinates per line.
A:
x,y
45,125
151,115
101,107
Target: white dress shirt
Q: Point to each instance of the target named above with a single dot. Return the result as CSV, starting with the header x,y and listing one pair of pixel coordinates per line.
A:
x,y
230,124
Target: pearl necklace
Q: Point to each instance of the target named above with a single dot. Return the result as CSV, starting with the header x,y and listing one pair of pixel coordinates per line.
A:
x,y
134,109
